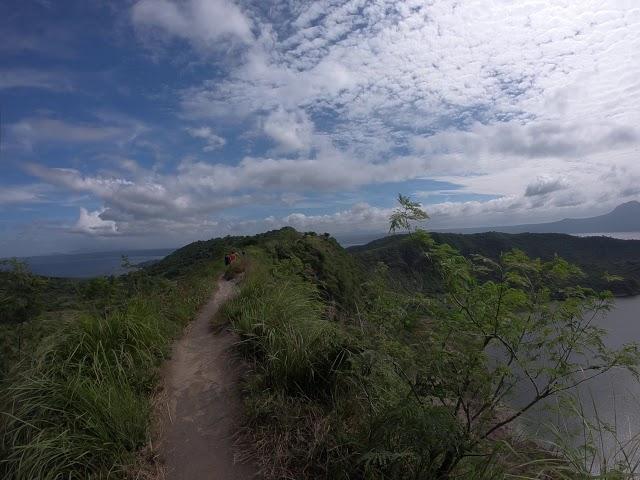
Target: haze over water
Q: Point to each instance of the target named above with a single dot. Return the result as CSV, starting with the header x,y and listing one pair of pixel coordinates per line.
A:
x,y
620,235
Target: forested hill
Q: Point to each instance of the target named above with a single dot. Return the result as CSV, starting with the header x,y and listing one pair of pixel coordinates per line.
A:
x,y
596,256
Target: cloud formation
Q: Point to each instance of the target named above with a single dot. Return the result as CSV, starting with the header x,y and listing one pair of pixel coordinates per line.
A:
x,y
29,132
23,194
291,131
90,223
204,23
529,109
212,141
30,78
545,185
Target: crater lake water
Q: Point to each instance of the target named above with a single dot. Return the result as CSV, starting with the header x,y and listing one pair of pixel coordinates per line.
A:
x,y
618,235
87,265
613,398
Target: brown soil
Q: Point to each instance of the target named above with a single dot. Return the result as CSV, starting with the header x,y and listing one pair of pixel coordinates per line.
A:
x,y
198,410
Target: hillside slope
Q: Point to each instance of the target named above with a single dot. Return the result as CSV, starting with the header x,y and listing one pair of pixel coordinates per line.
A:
x,y
594,255
336,272
348,378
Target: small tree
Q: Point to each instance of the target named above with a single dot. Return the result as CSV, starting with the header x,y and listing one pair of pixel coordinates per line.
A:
x,y
407,212
20,295
500,331
504,326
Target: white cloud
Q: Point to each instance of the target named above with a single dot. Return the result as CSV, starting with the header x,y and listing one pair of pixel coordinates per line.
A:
x,y
53,130
29,78
32,131
359,217
292,131
536,102
213,141
204,23
11,195
391,74
535,139
544,185
91,223
363,217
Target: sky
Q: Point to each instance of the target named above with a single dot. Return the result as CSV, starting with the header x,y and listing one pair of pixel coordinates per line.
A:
x,y
154,123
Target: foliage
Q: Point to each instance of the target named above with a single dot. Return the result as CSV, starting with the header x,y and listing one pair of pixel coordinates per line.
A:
x,y
281,324
407,212
19,292
495,337
22,297
350,376
405,386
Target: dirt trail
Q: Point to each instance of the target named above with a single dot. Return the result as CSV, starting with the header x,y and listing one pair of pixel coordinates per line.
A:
x,y
200,404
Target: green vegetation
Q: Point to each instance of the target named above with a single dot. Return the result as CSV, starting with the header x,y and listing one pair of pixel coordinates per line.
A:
x,y
608,263
78,405
19,302
399,360
395,384
405,214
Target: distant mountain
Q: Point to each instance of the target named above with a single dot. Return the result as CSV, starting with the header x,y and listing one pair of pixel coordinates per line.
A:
x,y
624,218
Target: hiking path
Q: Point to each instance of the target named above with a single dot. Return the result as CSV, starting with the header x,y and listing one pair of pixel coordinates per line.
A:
x,y
199,408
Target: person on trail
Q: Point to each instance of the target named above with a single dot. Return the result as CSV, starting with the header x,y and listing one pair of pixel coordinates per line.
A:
x,y
227,260
232,257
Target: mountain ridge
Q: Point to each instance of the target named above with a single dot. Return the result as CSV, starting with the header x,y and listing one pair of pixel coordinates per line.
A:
x,y
623,218
597,256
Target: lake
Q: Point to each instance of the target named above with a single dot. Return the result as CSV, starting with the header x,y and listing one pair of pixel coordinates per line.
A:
x,y
613,397
619,235
86,265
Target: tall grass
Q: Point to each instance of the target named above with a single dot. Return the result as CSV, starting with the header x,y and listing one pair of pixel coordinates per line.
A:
x,y
284,333
80,408
296,356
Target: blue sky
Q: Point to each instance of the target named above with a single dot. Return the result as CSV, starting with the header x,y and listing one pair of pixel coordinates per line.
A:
x,y
158,122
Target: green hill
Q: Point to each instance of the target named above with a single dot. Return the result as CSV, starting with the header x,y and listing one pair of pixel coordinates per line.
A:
x,y
320,257
596,256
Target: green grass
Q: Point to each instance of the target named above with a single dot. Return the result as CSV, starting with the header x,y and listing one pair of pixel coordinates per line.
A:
x,y
345,375
281,326
322,399
80,407
295,356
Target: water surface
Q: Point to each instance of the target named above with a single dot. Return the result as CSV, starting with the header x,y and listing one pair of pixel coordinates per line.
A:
x,y
86,265
613,398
